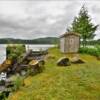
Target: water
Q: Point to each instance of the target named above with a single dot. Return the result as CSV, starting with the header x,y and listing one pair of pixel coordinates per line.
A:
x,y
33,47
2,53
39,47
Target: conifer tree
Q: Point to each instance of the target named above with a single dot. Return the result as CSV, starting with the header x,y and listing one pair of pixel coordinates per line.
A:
x,y
82,24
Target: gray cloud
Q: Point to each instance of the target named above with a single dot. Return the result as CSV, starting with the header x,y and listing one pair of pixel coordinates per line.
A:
x,y
32,19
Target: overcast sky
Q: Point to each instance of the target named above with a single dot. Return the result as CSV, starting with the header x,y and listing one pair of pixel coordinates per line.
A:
x,y
29,19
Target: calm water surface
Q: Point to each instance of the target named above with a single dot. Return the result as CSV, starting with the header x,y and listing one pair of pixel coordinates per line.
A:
x,y
33,47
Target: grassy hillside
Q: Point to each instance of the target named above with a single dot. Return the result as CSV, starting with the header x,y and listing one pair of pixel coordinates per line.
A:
x,y
75,82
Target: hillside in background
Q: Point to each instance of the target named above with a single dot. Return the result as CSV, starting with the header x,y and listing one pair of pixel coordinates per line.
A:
x,y
47,40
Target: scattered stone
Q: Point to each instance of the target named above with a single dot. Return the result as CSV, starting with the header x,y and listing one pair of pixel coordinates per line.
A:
x,y
77,60
64,61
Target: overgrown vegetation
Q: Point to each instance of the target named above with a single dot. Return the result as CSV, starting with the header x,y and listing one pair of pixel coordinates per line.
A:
x,y
75,82
14,52
18,82
92,51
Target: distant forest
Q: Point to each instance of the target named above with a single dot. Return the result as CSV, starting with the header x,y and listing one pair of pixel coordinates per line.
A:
x,y
47,40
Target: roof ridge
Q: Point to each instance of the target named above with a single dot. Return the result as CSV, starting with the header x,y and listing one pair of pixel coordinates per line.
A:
x,y
70,33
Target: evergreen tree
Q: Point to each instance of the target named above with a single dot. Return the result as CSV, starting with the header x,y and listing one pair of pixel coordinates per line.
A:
x,y
83,25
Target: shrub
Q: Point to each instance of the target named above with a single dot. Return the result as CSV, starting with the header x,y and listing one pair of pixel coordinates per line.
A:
x,y
14,52
92,51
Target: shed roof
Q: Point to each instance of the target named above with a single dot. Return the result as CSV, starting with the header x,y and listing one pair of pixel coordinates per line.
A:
x,y
69,33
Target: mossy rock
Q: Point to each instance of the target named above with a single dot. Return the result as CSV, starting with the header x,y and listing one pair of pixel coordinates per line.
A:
x,y
77,60
64,61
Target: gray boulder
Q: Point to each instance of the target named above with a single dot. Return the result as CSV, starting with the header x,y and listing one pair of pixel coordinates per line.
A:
x,y
77,60
64,61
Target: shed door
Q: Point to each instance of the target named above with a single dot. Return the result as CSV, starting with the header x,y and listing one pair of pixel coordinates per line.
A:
x,y
71,44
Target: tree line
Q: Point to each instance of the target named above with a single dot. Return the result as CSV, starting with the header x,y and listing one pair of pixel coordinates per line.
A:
x,y
47,40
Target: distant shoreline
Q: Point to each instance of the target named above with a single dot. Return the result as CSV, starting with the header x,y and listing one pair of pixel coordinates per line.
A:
x,y
47,40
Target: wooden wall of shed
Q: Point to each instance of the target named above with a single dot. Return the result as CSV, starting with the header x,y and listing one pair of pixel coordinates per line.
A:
x,y
62,42
77,44
69,44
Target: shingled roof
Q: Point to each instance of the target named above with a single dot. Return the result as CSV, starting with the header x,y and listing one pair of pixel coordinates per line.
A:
x,y
69,33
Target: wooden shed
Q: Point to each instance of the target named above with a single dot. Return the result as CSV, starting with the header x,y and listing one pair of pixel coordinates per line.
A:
x,y
69,42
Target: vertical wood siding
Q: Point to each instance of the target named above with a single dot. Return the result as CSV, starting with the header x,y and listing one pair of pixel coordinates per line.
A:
x,y
62,42
69,44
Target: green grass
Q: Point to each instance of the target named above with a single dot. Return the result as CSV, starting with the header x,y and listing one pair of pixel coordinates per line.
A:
x,y
75,82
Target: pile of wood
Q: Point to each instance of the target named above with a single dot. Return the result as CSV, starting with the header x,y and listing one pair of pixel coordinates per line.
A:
x,y
36,61
6,65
